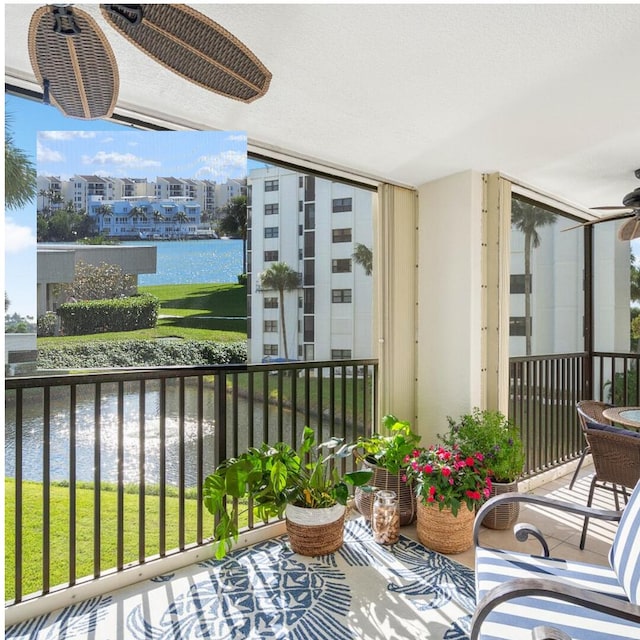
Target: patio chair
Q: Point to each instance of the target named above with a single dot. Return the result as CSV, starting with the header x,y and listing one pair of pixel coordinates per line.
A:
x,y
616,459
588,410
539,597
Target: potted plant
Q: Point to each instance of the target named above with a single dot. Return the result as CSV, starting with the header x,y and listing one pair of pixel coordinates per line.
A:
x,y
449,486
384,455
491,433
301,485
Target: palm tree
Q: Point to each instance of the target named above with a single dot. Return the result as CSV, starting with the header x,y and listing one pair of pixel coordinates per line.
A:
x,y
20,180
280,277
363,256
234,223
527,218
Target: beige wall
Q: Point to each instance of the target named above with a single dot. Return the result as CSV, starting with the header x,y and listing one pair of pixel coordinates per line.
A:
x,y
450,324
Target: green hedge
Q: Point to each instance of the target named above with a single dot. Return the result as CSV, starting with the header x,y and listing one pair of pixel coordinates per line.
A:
x,y
142,353
109,315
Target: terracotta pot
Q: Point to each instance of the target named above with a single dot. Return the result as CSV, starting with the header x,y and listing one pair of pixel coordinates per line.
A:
x,y
382,479
315,532
504,515
443,532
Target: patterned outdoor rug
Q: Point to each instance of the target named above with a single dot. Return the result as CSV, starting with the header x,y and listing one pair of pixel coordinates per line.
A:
x,y
365,591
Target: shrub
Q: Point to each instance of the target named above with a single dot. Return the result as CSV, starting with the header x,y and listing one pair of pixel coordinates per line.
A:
x,y
93,282
101,316
141,353
47,324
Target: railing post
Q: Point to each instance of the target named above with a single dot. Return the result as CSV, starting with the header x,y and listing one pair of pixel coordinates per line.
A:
x,y
587,380
220,412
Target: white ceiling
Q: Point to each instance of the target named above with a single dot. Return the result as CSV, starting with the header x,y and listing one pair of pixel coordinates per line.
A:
x,y
548,94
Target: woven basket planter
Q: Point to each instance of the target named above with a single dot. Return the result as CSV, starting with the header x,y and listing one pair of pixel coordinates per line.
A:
x,y
504,515
382,479
315,532
442,532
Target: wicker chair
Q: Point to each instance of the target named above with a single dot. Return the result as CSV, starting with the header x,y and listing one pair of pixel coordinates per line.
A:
x,y
616,459
588,410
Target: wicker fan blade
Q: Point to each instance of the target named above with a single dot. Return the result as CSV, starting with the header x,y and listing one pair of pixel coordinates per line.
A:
x,y
630,230
73,62
620,216
193,46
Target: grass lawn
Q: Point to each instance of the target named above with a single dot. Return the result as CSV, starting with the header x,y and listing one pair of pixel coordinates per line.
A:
x,y
191,311
59,546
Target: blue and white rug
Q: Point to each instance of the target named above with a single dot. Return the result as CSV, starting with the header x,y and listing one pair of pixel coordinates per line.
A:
x,y
364,591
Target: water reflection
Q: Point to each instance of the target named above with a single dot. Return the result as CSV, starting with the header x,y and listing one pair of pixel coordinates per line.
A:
x,y
148,431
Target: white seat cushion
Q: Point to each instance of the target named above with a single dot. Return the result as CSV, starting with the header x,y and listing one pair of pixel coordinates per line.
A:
x,y
515,619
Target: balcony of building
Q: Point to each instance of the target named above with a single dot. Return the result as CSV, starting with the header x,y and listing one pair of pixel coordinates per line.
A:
x,y
106,469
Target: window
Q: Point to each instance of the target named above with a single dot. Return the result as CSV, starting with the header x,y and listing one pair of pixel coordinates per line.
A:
x,y
309,273
310,244
270,349
309,352
271,232
341,295
309,300
341,354
341,265
518,282
341,235
341,204
271,209
518,326
271,303
271,256
270,185
270,326
309,333
310,188
310,216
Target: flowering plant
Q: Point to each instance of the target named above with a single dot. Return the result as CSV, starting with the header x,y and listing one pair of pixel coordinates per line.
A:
x,y
495,436
448,478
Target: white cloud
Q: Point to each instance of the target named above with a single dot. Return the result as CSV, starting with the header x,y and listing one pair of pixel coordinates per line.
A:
x,y
46,154
239,137
227,164
123,160
66,135
17,237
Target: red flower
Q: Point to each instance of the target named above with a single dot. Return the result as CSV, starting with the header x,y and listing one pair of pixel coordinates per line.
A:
x,y
446,471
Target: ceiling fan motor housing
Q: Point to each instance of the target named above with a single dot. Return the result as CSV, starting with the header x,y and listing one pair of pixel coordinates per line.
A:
x,y
632,200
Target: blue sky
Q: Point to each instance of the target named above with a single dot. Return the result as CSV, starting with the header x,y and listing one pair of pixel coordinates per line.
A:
x,y
61,146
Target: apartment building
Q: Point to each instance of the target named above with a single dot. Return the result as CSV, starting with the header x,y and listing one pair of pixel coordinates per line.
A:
x,y
146,217
54,192
312,224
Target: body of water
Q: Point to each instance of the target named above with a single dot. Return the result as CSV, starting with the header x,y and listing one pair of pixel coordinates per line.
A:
x,y
194,261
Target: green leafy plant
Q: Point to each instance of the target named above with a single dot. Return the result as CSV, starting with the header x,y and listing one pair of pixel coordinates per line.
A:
x,y
448,478
389,449
494,435
275,476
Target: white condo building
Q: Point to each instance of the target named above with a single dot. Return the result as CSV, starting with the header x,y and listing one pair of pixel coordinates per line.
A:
x,y
311,224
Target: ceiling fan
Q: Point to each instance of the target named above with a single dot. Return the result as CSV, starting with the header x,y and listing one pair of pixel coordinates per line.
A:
x,y
630,208
78,72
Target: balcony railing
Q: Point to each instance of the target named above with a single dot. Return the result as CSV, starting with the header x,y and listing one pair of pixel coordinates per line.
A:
x,y
544,391
104,471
